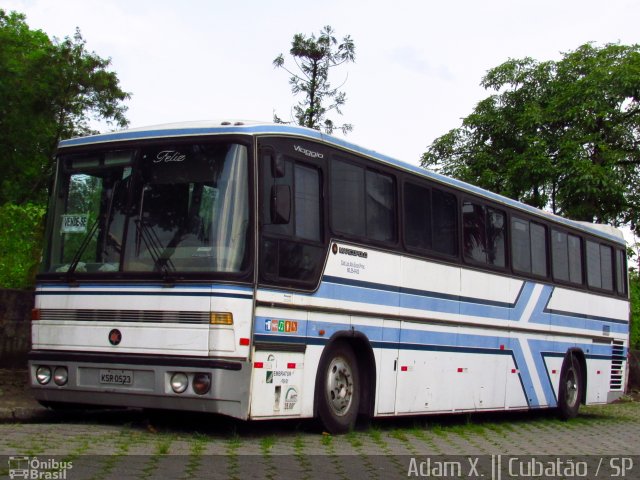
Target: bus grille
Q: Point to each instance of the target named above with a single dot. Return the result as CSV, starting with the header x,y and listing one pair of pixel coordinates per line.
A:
x,y
617,363
145,316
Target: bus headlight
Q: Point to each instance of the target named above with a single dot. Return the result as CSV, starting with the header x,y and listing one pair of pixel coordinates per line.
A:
x,y
201,383
60,376
43,375
179,382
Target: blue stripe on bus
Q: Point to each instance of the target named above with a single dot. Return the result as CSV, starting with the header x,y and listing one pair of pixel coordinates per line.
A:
x,y
431,341
422,340
333,288
543,315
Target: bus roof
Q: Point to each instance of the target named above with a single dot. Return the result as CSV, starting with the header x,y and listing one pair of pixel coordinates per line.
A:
x,y
204,128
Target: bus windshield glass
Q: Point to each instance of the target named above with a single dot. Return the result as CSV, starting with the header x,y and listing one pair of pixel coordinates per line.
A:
x,y
166,208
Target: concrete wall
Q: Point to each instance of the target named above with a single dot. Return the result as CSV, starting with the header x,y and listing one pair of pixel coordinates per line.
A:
x,y
15,327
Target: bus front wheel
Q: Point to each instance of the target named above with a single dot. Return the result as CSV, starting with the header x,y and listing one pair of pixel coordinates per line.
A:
x,y
571,386
339,383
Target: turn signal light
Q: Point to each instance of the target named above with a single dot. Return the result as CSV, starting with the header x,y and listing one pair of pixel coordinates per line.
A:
x,y
221,318
201,383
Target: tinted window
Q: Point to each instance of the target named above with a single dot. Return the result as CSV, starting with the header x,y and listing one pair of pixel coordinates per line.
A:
x,y
528,247
417,216
538,250
560,256
347,198
566,257
606,267
496,253
599,266
575,259
362,202
475,232
621,277
484,234
445,222
291,252
520,245
307,203
380,207
593,265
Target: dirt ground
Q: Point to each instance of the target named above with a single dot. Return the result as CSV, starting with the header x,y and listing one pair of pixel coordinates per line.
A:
x,y
14,389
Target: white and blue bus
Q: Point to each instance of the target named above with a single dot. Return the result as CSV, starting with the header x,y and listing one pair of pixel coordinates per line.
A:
x,y
265,271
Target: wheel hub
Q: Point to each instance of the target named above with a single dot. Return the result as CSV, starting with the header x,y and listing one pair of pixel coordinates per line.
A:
x,y
340,386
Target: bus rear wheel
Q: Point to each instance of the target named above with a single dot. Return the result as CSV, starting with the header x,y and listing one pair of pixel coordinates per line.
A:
x,y
571,388
339,384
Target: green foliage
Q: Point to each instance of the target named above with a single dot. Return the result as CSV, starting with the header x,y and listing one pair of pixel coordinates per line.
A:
x,y
563,135
634,290
314,57
20,243
49,90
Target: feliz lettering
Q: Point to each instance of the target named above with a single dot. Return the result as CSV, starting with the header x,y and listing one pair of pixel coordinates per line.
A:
x,y
167,156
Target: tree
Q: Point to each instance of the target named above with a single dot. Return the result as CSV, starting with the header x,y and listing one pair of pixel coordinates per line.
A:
x,y
314,58
563,135
49,90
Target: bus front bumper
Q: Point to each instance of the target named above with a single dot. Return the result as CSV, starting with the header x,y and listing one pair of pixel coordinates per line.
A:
x,y
199,384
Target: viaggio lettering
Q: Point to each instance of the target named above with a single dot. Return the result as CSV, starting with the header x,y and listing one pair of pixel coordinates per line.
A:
x,y
308,153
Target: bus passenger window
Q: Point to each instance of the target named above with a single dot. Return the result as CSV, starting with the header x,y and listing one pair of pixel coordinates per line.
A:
x,y
484,234
307,203
528,247
417,216
445,222
363,202
621,268
599,266
380,207
347,198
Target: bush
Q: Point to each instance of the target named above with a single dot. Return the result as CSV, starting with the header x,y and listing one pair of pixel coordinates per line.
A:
x,y
21,229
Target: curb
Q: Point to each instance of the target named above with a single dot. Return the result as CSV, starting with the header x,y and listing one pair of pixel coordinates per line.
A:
x,y
21,413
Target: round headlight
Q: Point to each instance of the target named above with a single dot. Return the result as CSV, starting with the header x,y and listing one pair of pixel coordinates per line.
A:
x,y
179,382
201,383
43,375
60,376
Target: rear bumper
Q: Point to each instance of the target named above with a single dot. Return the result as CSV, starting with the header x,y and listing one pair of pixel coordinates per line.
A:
x,y
150,385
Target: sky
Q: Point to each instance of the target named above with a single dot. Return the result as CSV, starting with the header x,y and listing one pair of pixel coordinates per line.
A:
x,y
418,64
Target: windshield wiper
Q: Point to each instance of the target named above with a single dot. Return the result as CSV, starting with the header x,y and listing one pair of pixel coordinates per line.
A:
x,y
83,246
154,246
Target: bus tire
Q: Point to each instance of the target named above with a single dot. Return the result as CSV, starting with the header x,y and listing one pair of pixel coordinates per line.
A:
x,y
571,387
339,388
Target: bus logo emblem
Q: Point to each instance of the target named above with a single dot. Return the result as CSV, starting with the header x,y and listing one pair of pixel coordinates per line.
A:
x,y
281,326
115,337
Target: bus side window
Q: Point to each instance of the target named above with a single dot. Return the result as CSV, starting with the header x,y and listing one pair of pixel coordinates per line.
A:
x,y
621,268
599,266
291,210
363,202
528,247
483,234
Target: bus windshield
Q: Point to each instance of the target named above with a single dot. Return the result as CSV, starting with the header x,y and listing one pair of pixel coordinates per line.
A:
x,y
166,208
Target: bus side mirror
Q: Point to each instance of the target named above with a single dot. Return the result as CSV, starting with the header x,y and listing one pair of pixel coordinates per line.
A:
x,y
280,204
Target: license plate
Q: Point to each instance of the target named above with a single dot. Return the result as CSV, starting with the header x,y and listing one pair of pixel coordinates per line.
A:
x,y
116,377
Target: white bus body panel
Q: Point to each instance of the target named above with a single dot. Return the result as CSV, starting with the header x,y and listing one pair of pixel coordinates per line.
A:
x,y
446,338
